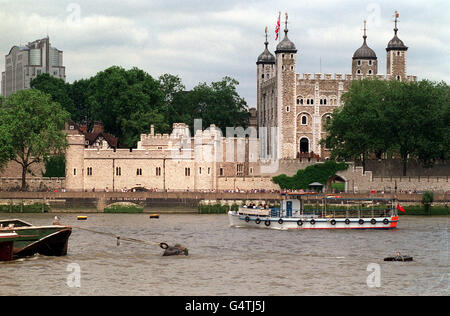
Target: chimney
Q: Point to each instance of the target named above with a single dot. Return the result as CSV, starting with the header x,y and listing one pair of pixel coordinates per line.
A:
x,y
152,130
98,127
83,128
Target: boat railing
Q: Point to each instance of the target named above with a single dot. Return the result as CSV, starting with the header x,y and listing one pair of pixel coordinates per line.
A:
x,y
348,213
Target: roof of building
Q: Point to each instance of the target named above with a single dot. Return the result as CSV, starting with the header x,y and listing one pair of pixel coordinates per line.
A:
x,y
364,52
266,57
96,133
286,46
396,44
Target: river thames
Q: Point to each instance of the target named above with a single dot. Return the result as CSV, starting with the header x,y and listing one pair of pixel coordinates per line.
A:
x,y
232,261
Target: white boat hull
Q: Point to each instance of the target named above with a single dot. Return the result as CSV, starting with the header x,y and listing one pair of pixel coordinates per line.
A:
x,y
237,220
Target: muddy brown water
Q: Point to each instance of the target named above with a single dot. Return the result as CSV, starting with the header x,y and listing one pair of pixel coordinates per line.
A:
x,y
232,261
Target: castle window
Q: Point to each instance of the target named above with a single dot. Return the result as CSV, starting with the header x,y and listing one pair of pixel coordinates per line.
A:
x,y
282,55
370,71
304,120
358,72
262,76
398,78
118,171
158,171
325,101
139,172
240,169
398,53
359,63
370,63
89,171
292,67
209,170
200,170
288,109
221,172
251,170
187,172
75,172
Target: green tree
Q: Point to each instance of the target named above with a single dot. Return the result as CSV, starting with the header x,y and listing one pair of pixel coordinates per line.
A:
x,y
55,167
418,123
359,127
33,125
218,103
127,102
58,89
320,172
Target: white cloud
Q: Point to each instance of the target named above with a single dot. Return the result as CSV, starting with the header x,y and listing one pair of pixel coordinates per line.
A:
x,y
202,41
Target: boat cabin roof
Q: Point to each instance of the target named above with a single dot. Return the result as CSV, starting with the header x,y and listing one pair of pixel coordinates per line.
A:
x,y
17,223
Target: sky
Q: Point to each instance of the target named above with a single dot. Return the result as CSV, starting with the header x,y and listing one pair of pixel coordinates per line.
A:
x,y
206,40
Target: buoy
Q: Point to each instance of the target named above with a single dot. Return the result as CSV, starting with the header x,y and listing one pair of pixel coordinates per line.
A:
x,y
81,218
154,215
399,257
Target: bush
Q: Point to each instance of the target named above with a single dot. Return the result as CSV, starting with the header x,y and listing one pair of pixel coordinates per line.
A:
x,y
320,172
31,208
422,210
123,209
213,209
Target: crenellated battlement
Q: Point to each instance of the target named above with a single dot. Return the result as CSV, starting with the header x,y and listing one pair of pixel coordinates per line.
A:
x,y
344,77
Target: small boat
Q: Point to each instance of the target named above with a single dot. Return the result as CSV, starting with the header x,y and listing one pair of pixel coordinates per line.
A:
x,y
6,246
313,211
51,240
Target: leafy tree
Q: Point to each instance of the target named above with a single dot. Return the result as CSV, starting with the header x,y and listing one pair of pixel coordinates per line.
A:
x,y
358,128
417,123
127,102
32,128
316,173
55,167
58,89
217,103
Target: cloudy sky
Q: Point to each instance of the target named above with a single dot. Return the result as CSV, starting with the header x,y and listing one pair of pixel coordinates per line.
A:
x,y
205,40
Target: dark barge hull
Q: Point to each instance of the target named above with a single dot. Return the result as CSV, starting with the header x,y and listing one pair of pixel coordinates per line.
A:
x,y
55,244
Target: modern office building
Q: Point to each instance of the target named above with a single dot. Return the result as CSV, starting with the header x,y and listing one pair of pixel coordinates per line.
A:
x,y
24,63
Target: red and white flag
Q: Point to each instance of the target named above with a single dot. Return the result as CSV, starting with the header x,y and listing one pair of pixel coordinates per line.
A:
x,y
277,29
400,208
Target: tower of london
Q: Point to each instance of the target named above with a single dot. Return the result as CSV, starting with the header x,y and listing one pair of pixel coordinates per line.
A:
x,y
298,106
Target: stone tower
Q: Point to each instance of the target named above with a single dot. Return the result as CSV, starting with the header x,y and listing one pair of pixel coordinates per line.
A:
x,y
364,60
75,162
396,56
286,60
265,71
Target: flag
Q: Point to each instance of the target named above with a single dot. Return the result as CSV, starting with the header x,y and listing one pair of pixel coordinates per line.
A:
x,y
400,208
277,29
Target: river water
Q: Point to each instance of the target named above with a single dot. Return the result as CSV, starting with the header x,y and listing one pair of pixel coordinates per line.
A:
x,y
233,261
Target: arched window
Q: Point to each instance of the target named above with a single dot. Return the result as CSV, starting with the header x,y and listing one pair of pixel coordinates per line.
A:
x,y
370,71
304,145
304,120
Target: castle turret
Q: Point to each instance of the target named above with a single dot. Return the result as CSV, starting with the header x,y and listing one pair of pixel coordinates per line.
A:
x,y
265,70
364,59
286,59
75,162
396,56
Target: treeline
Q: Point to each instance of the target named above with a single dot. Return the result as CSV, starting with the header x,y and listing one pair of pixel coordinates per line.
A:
x,y
393,119
127,102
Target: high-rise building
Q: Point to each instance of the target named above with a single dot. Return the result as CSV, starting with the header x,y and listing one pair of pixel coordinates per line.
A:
x,y
24,63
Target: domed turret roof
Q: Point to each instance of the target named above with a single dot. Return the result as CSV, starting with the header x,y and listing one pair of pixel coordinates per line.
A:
x,y
396,44
286,46
266,57
364,52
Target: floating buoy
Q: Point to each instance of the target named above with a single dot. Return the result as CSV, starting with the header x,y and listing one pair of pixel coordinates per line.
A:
x,y
399,257
154,215
81,218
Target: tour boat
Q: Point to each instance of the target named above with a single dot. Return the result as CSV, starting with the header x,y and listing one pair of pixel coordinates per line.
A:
x,y
51,240
307,211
